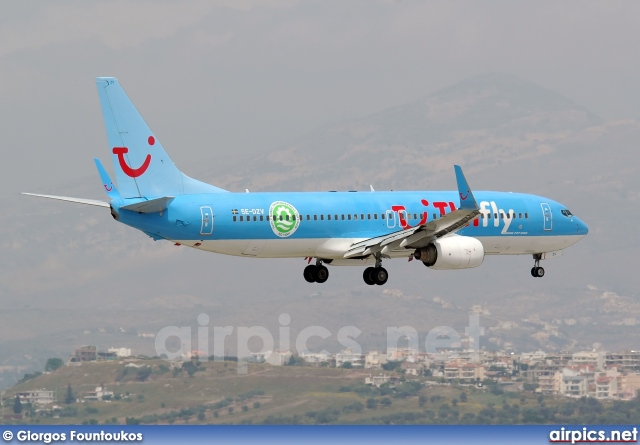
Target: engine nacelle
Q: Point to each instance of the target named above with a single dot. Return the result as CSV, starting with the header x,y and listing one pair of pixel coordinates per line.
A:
x,y
453,252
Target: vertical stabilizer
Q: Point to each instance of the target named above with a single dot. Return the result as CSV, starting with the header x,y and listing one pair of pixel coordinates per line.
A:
x,y
142,167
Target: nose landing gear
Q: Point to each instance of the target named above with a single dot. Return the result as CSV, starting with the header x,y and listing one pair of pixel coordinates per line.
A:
x,y
536,270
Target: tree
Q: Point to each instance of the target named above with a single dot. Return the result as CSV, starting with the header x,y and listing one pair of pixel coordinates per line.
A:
x,y
347,365
53,364
422,400
17,405
463,397
69,397
372,403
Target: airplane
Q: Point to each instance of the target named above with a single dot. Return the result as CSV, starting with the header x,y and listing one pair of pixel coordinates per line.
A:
x,y
441,229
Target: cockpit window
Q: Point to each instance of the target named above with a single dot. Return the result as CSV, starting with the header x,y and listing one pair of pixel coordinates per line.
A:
x,y
566,213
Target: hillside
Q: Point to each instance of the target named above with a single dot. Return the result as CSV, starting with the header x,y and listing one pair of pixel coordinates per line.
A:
x,y
214,393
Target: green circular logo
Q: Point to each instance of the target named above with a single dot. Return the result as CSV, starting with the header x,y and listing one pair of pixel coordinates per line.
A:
x,y
284,219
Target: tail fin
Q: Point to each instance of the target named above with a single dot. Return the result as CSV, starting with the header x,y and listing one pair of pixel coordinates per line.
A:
x,y
143,168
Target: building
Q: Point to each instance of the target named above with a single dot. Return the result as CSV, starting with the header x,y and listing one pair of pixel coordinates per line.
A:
x,y
374,359
464,371
37,397
607,387
279,358
550,382
86,354
414,369
377,380
574,385
120,352
98,394
315,357
628,361
593,358
347,355
402,354
630,384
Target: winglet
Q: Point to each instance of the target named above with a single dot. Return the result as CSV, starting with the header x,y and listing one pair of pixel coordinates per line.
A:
x,y
112,191
467,201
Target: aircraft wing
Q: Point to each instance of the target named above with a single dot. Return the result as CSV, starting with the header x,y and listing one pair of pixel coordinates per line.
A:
x,y
421,236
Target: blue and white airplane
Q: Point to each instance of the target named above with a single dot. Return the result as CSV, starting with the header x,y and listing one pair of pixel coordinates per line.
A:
x,y
443,230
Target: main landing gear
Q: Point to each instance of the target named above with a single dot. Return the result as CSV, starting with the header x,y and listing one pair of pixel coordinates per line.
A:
x,y
536,270
316,273
376,275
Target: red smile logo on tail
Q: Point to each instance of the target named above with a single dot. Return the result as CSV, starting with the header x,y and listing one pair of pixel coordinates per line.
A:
x,y
133,172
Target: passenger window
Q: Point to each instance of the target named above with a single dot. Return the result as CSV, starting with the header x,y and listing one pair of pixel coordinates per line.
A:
x,y
368,215
336,217
526,215
255,218
315,217
329,217
261,218
355,216
362,216
375,216
519,215
435,216
382,215
241,218
343,216
321,217
234,218
349,217
488,215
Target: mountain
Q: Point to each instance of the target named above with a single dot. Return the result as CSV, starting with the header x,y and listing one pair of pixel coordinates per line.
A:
x,y
72,276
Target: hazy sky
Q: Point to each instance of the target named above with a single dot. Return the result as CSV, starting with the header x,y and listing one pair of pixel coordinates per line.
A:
x,y
218,77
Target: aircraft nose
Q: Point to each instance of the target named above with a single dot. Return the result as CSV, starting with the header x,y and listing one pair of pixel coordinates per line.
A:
x,y
582,227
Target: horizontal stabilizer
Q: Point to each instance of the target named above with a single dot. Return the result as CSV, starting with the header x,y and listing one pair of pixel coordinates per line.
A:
x,y
91,202
150,206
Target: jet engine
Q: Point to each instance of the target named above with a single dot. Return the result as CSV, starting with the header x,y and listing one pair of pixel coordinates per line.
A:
x,y
453,252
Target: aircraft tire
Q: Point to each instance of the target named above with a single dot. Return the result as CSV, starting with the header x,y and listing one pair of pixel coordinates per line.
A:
x,y
533,272
322,274
310,273
368,276
539,272
380,275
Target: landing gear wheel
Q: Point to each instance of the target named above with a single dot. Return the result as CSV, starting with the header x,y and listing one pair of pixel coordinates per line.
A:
x,y
380,275
369,276
322,274
310,273
536,270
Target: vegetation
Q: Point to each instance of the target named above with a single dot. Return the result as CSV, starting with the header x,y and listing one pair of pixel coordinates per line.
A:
x,y
213,392
69,397
53,364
